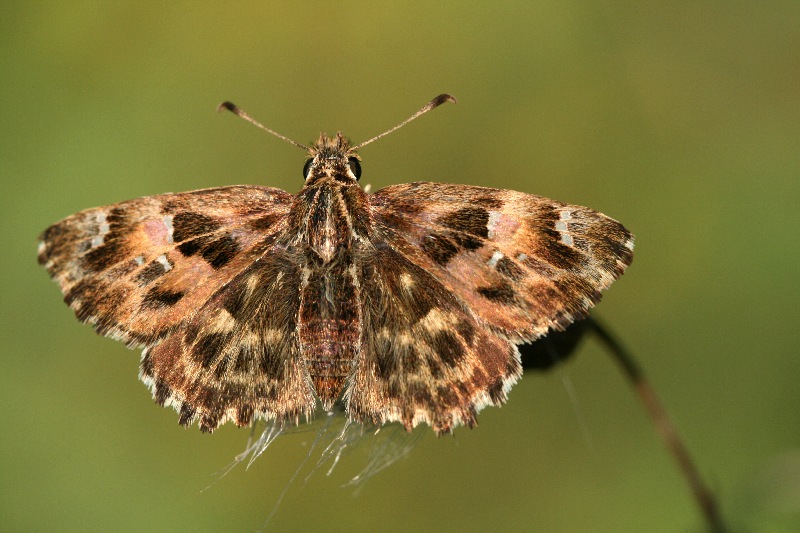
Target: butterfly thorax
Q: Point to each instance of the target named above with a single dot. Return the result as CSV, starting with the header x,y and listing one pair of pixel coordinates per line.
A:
x,y
331,210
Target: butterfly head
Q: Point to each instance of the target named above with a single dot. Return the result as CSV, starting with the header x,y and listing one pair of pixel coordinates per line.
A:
x,y
332,157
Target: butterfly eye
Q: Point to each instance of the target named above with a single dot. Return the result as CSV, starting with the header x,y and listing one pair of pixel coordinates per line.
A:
x,y
355,166
307,167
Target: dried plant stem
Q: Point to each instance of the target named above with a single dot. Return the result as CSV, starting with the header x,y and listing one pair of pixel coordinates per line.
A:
x,y
669,434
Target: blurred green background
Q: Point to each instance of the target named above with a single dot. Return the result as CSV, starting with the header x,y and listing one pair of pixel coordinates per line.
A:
x,y
680,119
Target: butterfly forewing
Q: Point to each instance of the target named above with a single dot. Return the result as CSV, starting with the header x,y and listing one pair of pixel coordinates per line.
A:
x,y
137,269
522,263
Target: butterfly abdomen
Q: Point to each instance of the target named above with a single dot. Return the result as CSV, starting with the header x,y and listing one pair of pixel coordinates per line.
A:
x,y
329,323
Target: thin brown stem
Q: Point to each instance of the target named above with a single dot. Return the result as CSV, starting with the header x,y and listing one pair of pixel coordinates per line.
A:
x,y
665,428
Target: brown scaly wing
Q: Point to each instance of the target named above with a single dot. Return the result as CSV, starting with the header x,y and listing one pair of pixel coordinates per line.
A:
x,y
238,357
137,269
424,357
155,272
521,263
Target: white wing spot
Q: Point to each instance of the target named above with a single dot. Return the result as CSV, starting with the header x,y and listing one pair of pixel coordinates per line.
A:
x,y
41,248
139,260
561,226
522,257
102,221
164,262
168,224
494,217
102,230
496,256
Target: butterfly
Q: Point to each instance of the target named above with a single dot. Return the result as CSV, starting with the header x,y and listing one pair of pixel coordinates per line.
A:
x,y
407,305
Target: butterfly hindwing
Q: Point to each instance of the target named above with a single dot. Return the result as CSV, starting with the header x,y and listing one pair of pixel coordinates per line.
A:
x,y
423,356
238,358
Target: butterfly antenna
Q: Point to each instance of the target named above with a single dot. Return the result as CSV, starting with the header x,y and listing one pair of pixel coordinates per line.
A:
x,y
233,108
436,102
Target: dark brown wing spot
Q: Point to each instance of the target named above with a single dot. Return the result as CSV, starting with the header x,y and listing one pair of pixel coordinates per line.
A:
x,y
222,367
83,290
448,347
206,349
436,367
187,414
219,252
466,241
470,220
510,269
489,202
501,293
117,223
158,298
54,233
271,362
448,397
551,249
147,365
162,392
150,273
496,392
385,366
467,332
193,246
410,360
187,225
421,396
439,248
235,300
105,256
266,222
560,255
243,363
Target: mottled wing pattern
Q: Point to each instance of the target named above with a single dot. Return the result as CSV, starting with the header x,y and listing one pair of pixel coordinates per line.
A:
x,y
237,358
522,264
424,357
152,271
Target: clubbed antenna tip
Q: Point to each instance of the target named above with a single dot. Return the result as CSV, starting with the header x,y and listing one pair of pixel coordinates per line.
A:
x,y
433,104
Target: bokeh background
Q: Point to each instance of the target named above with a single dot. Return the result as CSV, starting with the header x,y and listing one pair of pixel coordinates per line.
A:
x,y
680,119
